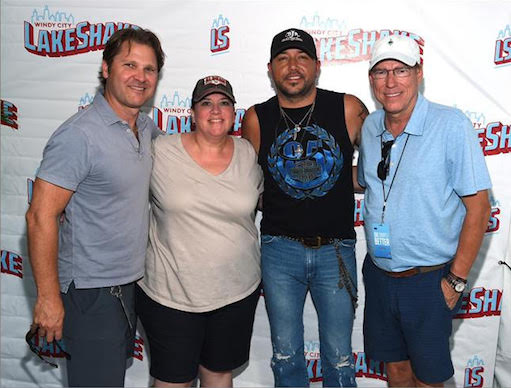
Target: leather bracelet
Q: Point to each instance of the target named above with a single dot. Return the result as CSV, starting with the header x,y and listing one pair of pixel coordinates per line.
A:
x,y
457,277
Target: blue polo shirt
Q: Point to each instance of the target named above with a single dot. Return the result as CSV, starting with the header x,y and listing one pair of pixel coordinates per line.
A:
x,y
103,235
441,162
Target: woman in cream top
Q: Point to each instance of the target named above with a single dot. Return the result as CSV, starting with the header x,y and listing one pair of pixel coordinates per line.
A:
x,y
203,254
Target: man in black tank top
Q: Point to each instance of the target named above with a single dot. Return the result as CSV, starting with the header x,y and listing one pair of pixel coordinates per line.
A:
x,y
305,139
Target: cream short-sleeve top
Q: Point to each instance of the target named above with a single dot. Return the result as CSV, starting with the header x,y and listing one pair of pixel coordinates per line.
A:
x,y
203,250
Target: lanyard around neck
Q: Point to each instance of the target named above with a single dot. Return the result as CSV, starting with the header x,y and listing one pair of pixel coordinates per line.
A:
x,y
386,197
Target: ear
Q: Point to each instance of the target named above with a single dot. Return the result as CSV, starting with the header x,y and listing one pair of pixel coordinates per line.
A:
x,y
420,74
270,70
104,69
193,117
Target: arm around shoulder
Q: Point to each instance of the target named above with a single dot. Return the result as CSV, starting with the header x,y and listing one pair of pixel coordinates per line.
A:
x,y
250,128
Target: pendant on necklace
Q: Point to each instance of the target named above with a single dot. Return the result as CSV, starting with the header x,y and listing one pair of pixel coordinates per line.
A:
x,y
295,131
298,150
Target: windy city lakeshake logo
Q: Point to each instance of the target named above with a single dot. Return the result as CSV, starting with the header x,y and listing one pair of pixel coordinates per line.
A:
x,y
52,32
173,113
338,44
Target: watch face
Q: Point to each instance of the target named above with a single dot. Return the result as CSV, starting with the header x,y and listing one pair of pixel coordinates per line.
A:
x,y
459,287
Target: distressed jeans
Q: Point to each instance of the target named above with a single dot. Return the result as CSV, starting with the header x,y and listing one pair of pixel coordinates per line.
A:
x,y
289,271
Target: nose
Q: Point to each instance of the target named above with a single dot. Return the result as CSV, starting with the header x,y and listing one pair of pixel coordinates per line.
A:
x,y
390,80
292,62
215,107
140,74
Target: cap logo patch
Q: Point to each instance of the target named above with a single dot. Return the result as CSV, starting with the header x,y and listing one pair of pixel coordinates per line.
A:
x,y
215,80
292,35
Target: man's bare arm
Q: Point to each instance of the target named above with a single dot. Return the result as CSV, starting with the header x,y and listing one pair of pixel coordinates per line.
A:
x,y
472,232
48,203
471,237
355,113
250,128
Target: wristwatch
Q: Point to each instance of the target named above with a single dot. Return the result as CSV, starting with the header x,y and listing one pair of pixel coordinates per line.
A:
x,y
458,284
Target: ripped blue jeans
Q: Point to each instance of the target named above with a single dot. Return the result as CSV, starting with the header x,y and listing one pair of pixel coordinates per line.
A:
x,y
289,271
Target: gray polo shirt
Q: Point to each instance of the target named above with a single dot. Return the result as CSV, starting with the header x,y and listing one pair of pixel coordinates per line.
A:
x,y
103,236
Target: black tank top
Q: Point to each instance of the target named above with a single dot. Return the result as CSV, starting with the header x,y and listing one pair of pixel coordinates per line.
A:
x,y
308,187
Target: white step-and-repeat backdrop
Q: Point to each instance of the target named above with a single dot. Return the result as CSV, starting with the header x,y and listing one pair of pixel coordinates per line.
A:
x,y
50,57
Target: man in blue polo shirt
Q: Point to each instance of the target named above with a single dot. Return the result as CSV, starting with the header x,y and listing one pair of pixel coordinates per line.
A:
x,y
88,220
426,210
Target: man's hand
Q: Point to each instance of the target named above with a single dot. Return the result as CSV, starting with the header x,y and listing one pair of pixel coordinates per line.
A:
x,y
451,297
49,317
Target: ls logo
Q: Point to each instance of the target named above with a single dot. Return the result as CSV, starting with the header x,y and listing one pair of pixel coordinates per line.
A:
x,y
473,377
219,39
502,51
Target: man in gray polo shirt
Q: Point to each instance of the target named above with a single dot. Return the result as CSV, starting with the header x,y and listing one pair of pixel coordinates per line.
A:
x,y
90,209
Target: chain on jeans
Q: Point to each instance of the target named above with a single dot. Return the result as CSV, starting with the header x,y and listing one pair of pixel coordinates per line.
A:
x,y
117,292
344,277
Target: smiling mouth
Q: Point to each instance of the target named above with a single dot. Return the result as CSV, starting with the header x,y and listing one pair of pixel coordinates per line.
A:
x,y
137,88
294,77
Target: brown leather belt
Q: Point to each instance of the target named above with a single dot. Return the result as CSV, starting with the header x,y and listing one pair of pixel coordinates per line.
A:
x,y
415,270
314,242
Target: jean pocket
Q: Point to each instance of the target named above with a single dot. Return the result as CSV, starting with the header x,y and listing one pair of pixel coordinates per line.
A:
x,y
453,310
348,242
87,299
268,238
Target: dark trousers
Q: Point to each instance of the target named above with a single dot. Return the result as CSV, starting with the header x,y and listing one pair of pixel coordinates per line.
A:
x,y
98,336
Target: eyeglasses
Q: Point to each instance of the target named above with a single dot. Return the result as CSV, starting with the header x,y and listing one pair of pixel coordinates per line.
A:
x,y
37,350
383,166
399,72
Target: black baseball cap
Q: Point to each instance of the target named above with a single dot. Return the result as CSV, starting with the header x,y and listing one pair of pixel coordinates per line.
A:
x,y
293,38
212,84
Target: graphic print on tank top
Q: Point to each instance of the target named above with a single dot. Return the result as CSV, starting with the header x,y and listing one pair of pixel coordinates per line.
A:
x,y
305,167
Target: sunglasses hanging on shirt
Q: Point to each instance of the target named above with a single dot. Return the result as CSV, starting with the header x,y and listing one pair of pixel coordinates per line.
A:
x,y
384,165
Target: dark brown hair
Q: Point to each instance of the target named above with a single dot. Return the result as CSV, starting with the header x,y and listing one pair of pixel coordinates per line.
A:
x,y
114,44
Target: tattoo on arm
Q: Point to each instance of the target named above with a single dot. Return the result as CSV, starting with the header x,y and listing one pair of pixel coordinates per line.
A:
x,y
363,113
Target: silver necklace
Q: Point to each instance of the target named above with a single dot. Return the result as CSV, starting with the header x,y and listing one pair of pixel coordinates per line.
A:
x,y
297,127
298,148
